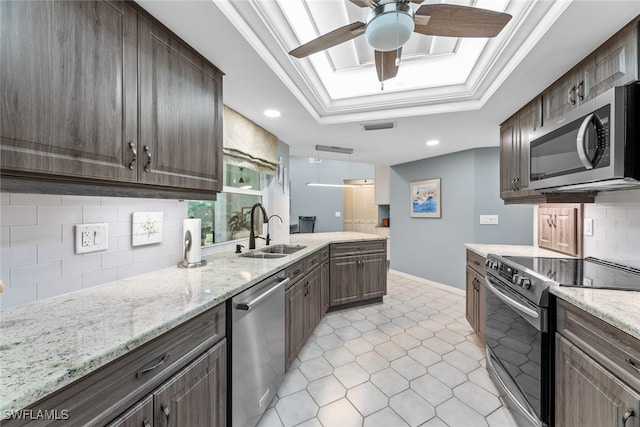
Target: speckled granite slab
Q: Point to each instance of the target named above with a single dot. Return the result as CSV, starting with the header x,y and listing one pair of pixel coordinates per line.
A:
x,y
50,343
619,308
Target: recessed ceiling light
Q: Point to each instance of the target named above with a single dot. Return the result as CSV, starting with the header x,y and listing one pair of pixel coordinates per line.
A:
x,y
272,113
433,142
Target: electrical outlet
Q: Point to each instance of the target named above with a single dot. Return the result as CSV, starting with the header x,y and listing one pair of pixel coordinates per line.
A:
x,y
337,214
92,237
588,227
489,219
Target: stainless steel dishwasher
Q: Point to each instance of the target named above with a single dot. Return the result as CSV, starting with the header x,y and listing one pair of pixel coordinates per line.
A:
x,y
258,353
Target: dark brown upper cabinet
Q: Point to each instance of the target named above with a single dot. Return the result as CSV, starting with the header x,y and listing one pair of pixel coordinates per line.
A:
x,y
99,98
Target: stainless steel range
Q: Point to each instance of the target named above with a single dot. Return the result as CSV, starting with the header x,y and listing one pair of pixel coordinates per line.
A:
x,y
519,324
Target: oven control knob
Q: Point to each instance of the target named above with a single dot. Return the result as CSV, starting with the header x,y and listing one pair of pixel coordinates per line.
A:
x,y
516,279
525,283
495,265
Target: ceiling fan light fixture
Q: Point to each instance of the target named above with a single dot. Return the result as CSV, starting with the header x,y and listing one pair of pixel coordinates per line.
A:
x,y
389,26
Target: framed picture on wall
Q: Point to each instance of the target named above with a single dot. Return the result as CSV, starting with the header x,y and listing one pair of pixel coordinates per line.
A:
x,y
424,198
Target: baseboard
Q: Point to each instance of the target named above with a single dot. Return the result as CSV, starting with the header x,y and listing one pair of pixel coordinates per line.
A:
x,y
429,282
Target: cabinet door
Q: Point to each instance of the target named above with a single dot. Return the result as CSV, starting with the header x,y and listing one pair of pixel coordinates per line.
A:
x,y
374,275
529,120
481,307
344,273
508,157
613,64
294,319
68,88
564,228
589,395
196,396
180,113
324,286
560,98
313,302
545,227
141,415
471,297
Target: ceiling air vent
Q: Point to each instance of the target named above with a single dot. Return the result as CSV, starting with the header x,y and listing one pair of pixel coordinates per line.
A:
x,y
378,126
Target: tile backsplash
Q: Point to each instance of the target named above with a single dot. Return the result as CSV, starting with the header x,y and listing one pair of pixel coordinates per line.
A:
x,y
616,227
37,256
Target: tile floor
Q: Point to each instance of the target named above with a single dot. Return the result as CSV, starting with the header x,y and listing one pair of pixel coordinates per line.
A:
x,y
412,360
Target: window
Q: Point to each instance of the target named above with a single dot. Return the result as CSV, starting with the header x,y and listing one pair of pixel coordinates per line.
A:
x,y
228,218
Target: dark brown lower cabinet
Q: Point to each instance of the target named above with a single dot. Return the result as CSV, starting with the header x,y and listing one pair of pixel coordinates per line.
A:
x,y
475,293
597,378
324,286
303,311
194,397
590,395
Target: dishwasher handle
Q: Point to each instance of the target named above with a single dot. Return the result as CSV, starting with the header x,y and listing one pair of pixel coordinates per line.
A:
x,y
248,306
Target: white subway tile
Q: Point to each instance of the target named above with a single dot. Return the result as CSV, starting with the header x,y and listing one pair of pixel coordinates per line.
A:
x,y
59,215
12,297
18,215
5,199
81,264
124,243
116,259
5,236
95,278
55,251
24,275
146,253
145,266
614,213
69,233
81,201
22,199
91,214
19,255
120,229
56,287
34,234
5,276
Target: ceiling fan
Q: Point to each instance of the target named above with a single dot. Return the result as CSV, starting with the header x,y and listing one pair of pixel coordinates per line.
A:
x,y
391,22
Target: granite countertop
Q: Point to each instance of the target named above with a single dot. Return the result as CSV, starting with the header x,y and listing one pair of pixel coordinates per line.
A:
x,y
618,308
50,343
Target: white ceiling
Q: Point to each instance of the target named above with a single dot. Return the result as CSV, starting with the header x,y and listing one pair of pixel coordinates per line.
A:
x,y
455,90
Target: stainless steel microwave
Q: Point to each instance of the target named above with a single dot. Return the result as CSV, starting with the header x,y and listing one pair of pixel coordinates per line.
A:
x,y
596,146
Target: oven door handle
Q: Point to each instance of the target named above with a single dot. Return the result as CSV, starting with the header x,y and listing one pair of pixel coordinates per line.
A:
x,y
519,307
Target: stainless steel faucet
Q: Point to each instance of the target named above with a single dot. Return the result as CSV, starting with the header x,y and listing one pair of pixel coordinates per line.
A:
x,y
268,239
265,219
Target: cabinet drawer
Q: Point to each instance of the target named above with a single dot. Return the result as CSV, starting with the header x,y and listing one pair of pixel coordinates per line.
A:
x,y
614,349
312,261
324,254
357,248
295,272
100,396
476,262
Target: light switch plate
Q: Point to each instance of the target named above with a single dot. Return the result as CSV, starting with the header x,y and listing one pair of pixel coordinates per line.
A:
x,y
337,214
588,227
92,237
489,219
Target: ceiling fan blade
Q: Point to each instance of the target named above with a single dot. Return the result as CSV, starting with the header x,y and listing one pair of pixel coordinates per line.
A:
x,y
386,64
328,40
364,3
460,21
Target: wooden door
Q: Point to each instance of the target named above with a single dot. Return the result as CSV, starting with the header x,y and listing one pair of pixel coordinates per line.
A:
x,y
68,89
294,320
344,274
196,396
545,227
471,298
313,301
564,227
508,157
374,275
529,120
140,415
324,286
589,395
180,113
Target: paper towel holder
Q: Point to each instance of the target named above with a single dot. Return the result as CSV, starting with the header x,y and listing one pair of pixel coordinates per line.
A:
x,y
188,241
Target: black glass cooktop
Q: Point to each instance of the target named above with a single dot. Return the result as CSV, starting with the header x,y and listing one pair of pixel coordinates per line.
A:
x,y
587,272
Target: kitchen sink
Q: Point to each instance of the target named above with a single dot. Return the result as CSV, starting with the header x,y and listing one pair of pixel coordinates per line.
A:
x,y
262,255
282,249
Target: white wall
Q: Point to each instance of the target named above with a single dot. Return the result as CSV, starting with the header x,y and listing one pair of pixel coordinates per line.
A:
x,y
616,227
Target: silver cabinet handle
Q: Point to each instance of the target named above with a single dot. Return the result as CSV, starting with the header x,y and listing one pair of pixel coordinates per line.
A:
x,y
571,96
628,414
581,90
146,423
633,363
248,306
165,411
135,155
147,150
151,368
